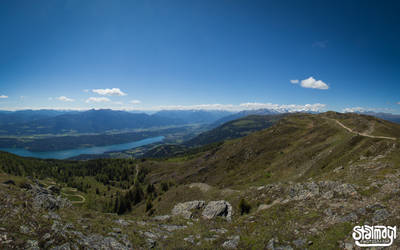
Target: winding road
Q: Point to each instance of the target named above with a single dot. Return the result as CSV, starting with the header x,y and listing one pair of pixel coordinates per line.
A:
x,y
363,134
83,199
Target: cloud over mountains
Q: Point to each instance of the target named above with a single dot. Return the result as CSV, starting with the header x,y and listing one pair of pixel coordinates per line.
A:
x,y
97,99
109,92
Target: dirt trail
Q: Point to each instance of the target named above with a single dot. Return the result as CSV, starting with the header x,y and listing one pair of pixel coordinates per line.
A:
x,y
83,199
363,134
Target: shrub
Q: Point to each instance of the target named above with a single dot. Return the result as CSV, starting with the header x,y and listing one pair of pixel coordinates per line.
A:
x,y
164,186
244,207
149,205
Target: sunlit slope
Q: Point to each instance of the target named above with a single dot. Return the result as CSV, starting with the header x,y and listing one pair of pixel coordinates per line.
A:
x,y
298,147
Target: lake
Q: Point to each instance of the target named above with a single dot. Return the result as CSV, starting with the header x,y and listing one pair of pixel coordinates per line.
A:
x,y
64,154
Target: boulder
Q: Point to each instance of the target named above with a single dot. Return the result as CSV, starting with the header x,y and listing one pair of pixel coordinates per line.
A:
x,y
184,209
232,243
218,208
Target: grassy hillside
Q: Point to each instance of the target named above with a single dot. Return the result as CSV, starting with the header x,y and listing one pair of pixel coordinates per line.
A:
x,y
235,129
367,124
305,173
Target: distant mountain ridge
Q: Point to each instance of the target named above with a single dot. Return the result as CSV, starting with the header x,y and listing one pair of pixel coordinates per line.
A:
x,y
386,116
96,121
22,116
241,114
235,129
193,116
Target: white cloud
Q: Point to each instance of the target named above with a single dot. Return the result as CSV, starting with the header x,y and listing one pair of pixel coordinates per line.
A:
x,y
281,108
97,99
355,109
317,107
86,90
3,96
313,83
109,92
135,102
398,103
294,81
363,109
65,99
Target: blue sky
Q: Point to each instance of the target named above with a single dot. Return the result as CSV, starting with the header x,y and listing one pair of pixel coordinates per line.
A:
x,y
147,55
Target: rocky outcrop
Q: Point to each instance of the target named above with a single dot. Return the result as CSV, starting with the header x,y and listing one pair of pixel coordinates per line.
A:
x,y
212,210
97,241
218,208
323,189
185,209
46,198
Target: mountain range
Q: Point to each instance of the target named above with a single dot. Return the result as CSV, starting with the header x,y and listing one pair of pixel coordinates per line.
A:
x,y
96,121
34,122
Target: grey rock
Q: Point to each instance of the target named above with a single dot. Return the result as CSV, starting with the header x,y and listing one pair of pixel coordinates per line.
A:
x,y
232,243
46,237
122,222
348,246
299,242
171,228
44,198
32,245
219,231
345,190
54,216
328,195
272,245
328,212
151,235
362,211
96,241
162,217
313,187
65,246
218,208
142,223
211,239
351,217
375,207
57,226
151,243
184,209
380,215
189,239
24,229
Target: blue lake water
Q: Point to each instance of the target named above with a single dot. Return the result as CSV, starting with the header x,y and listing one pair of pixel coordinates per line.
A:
x,y
64,154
